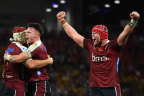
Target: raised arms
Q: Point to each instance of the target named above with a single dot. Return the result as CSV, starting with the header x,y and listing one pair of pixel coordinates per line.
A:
x,y
122,39
70,31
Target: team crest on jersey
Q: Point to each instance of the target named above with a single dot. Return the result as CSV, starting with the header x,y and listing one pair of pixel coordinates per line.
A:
x,y
99,58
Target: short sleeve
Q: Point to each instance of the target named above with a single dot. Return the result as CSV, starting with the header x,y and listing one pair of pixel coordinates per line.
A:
x,y
87,42
115,46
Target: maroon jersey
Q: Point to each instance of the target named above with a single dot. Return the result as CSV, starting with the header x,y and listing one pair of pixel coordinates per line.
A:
x,y
13,71
103,64
37,51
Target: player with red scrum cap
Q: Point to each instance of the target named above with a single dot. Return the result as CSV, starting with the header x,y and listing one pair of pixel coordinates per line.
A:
x,y
13,83
104,55
37,80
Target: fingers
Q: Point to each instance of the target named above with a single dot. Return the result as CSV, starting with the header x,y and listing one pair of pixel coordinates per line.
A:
x,y
135,15
3,74
5,56
50,60
48,56
61,15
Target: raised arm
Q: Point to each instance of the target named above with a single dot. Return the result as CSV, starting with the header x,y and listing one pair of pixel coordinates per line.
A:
x,y
70,31
35,64
122,39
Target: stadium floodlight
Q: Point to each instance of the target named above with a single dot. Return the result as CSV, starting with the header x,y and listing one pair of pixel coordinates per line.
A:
x,y
54,5
62,1
107,5
117,1
48,10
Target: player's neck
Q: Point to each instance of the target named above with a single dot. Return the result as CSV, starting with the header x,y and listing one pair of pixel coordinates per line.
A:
x,y
104,42
103,47
36,39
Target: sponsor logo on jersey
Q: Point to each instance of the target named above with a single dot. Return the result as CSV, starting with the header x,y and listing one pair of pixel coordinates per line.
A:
x,y
9,76
99,58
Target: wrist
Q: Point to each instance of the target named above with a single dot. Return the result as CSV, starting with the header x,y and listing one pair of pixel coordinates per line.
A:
x,y
133,22
63,21
8,57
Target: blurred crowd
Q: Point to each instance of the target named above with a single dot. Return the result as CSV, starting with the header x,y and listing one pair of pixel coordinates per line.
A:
x,y
69,75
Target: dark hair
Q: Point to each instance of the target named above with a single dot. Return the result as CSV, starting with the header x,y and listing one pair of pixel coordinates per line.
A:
x,y
36,26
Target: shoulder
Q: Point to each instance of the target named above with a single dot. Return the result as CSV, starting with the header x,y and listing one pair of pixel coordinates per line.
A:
x,y
34,49
35,46
88,41
113,41
12,45
42,47
12,48
20,46
114,45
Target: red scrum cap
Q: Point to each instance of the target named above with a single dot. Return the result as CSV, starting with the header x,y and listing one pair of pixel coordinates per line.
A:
x,y
101,30
18,34
19,29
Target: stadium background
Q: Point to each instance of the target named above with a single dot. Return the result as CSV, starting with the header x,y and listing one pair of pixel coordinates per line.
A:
x,y
70,72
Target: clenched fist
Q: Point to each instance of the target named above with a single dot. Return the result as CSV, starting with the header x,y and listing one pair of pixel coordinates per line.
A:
x,y
60,16
50,59
135,15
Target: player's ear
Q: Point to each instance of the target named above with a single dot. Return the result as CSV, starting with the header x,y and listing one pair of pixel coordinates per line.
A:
x,y
37,34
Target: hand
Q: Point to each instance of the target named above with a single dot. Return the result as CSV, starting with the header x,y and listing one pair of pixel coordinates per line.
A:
x,y
48,56
135,15
3,74
5,56
60,16
50,59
